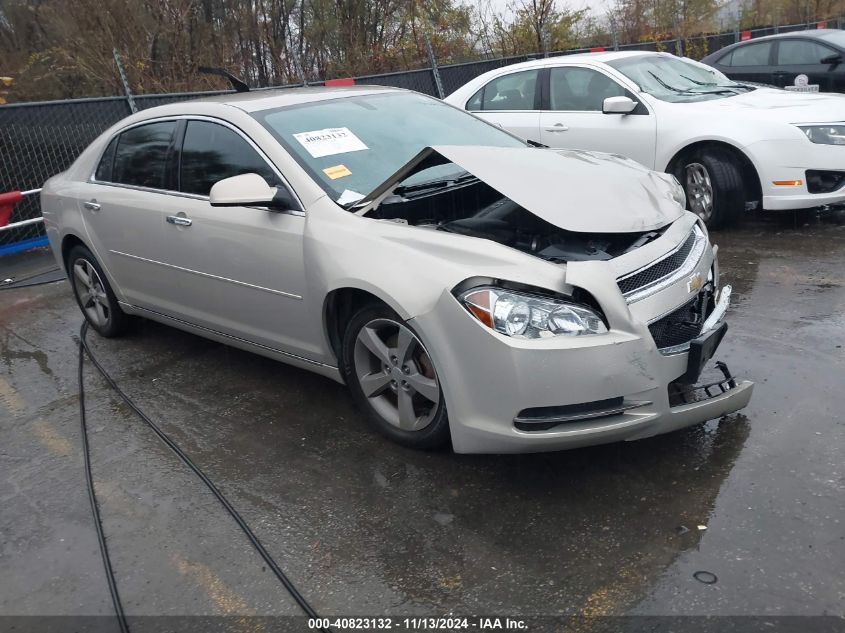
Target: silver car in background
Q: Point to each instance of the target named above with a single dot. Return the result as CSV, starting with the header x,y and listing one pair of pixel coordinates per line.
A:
x,y
464,284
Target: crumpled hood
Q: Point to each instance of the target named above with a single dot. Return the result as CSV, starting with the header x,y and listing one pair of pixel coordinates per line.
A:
x,y
779,106
579,191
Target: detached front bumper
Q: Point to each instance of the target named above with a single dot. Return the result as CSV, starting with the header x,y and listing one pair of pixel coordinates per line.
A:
x,y
492,383
786,162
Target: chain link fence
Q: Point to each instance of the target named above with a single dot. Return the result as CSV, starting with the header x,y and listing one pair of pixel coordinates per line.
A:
x,y
38,140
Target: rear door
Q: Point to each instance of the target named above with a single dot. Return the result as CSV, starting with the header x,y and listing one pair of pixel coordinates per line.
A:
x,y
511,101
238,270
795,57
750,62
122,204
574,118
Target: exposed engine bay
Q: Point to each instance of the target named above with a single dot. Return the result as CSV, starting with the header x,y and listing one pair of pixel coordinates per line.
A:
x,y
470,207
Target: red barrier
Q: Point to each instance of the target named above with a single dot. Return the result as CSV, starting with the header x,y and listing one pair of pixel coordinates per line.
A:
x,y
745,35
346,81
7,204
597,49
821,25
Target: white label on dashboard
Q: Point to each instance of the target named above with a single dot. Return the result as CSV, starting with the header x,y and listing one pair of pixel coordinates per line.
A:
x,y
330,141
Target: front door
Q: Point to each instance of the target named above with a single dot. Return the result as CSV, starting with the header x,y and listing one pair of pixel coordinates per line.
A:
x,y
240,270
574,119
797,57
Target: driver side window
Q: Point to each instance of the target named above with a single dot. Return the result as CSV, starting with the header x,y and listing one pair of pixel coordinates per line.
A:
x,y
212,152
580,89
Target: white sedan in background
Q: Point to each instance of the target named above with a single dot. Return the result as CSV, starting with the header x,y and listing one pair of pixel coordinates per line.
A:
x,y
731,145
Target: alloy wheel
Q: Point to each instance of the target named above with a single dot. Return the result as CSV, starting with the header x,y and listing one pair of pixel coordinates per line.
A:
x,y
91,293
396,374
699,190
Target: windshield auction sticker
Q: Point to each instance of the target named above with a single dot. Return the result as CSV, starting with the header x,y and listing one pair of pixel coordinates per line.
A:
x,y
338,171
330,141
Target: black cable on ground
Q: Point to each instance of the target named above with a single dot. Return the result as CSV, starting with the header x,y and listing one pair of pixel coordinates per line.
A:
x,y
253,539
19,283
92,496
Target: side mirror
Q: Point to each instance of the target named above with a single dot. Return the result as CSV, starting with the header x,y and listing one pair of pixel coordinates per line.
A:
x,y
250,190
835,58
618,105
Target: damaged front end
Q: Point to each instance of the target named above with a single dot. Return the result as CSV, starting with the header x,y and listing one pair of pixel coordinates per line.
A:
x,y
560,206
602,348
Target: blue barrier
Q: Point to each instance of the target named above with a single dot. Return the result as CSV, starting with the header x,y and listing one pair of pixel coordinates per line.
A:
x,y
25,245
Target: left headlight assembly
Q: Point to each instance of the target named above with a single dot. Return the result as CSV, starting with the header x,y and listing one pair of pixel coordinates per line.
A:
x,y
825,134
526,315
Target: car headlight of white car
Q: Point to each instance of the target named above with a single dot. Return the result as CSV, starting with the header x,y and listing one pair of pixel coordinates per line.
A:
x,y
825,134
525,315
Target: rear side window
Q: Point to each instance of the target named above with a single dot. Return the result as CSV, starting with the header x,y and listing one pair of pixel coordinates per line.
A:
x,y
510,92
213,152
141,155
751,55
801,52
104,169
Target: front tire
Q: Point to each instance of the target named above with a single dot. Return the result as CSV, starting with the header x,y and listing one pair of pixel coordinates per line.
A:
x,y
393,379
712,180
94,295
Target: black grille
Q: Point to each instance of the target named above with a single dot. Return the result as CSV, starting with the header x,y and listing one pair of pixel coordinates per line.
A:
x,y
658,270
682,325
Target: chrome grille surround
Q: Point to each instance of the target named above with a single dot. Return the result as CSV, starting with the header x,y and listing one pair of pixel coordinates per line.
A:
x,y
665,271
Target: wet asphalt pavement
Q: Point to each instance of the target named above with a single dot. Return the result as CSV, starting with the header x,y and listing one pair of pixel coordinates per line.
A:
x,y
366,527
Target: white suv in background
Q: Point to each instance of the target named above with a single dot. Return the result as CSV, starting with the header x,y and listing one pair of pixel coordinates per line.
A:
x,y
731,145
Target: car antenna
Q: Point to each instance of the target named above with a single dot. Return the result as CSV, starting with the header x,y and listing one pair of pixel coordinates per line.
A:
x,y
237,84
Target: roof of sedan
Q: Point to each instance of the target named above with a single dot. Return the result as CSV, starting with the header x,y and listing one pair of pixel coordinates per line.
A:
x,y
577,58
820,34
256,100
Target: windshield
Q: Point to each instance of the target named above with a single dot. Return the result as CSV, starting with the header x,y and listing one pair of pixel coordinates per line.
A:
x,y
352,145
673,79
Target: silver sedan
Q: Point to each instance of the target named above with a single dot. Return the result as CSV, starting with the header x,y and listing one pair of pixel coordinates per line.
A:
x,y
465,285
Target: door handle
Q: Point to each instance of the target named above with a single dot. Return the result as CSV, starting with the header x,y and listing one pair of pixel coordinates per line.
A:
x,y
558,127
179,220
91,205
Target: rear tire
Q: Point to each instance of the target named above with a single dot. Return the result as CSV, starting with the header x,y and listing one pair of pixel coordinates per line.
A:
x,y
392,378
712,180
94,295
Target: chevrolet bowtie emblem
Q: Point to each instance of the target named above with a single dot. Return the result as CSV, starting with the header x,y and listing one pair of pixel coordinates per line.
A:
x,y
694,283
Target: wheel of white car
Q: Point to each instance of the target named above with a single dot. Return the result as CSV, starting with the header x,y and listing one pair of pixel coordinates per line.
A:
x,y
392,378
94,294
712,180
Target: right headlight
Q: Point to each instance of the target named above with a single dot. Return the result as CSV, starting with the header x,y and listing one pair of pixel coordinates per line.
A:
x,y
525,315
825,134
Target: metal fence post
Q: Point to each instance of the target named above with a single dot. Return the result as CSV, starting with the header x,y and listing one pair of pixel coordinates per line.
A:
x,y
438,84
125,83
300,71
679,44
614,34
